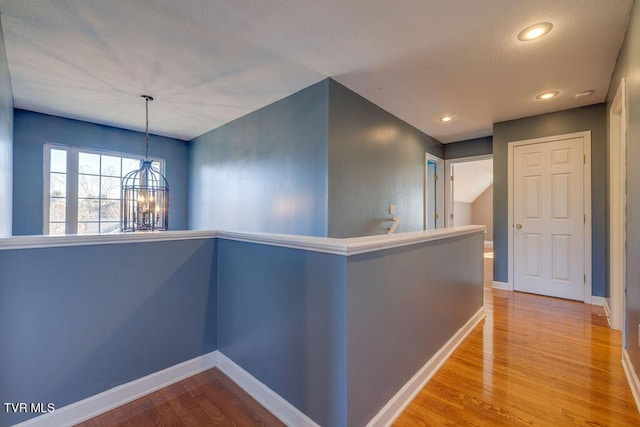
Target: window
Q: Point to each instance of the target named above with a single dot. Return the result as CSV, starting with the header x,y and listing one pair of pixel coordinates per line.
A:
x,y
82,189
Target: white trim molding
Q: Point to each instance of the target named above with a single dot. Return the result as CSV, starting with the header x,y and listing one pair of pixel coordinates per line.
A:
x,y
607,310
604,303
439,189
273,402
632,377
100,403
405,395
617,267
350,246
501,285
346,247
35,242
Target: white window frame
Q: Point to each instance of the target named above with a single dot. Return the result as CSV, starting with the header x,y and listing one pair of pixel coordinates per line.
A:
x,y
73,154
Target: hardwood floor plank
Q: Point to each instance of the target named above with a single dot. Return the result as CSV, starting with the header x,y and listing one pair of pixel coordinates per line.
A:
x,y
533,361
207,399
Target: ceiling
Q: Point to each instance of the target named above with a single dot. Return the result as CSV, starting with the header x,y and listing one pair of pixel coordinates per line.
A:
x,y
472,179
209,62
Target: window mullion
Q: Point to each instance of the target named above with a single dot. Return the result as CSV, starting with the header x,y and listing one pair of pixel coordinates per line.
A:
x,y
72,192
46,173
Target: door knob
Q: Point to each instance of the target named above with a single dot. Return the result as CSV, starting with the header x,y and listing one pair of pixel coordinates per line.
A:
x,y
518,226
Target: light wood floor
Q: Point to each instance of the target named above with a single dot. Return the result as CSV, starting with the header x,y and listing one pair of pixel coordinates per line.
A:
x,y
533,361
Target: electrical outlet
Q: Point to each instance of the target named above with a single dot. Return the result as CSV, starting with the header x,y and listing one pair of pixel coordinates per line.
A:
x,y
392,209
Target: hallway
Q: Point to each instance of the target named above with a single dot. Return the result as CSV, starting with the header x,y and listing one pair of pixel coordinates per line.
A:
x,y
533,361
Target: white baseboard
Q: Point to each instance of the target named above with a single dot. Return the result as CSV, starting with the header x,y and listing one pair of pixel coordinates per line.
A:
x,y
405,395
607,311
604,302
100,403
607,308
634,383
273,402
501,285
488,243
95,405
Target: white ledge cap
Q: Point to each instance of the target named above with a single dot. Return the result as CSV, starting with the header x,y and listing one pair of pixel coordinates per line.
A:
x,y
353,245
349,246
33,242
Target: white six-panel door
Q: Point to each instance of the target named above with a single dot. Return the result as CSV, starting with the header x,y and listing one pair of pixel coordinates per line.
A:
x,y
549,218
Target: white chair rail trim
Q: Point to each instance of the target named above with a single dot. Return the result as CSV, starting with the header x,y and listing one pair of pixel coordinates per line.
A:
x,y
345,247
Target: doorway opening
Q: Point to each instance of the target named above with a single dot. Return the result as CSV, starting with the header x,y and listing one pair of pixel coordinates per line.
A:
x,y
470,193
433,192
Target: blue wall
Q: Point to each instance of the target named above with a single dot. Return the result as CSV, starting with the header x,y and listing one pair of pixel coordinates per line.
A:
x,y
6,142
590,118
284,321
468,148
375,159
404,304
76,321
266,171
323,162
313,327
33,130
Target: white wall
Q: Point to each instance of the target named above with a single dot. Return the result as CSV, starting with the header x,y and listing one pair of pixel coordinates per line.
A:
x,y
462,213
6,143
473,179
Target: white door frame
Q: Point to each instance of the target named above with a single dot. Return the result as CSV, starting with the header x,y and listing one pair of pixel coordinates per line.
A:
x,y
449,190
586,135
617,213
440,173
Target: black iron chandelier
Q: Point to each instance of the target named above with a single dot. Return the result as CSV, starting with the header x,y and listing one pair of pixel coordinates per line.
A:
x,y
145,193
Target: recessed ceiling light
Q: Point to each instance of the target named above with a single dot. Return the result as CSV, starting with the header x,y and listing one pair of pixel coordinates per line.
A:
x,y
584,94
548,95
446,118
535,31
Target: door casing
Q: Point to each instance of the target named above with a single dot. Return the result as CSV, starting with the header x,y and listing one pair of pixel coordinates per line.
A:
x,y
617,208
439,186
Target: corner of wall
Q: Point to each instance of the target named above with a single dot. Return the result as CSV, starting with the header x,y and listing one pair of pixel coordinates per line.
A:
x,y
375,160
6,142
276,157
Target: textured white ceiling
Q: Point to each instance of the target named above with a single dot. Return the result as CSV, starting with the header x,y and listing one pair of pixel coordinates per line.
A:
x,y
209,62
471,179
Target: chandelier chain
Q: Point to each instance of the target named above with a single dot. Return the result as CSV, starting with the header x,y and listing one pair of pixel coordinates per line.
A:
x,y
146,130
